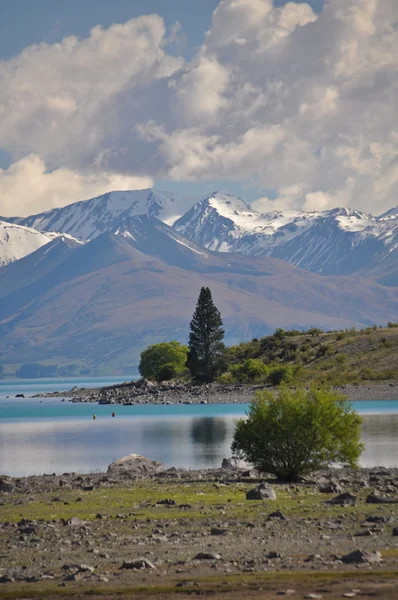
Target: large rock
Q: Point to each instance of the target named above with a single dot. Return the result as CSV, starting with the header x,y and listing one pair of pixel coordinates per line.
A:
x,y
234,463
360,557
135,463
375,499
6,484
262,491
344,499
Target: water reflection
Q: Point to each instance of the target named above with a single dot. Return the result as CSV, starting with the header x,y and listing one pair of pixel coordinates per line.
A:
x,y
208,434
82,445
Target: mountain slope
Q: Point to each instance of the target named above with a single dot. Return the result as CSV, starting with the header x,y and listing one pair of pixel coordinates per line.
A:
x,y
90,218
338,241
105,301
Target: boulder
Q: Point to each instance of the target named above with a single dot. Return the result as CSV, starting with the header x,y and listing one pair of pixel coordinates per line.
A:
x,y
262,491
6,485
360,557
135,463
345,499
234,463
375,499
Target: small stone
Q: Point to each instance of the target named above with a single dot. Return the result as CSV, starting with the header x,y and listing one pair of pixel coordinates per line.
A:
x,y
277,514
83,568
217,531
313,596
207,556
75,522
395,531
139,563
349,595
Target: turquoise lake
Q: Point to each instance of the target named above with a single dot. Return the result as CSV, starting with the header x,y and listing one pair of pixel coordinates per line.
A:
x,y
50,436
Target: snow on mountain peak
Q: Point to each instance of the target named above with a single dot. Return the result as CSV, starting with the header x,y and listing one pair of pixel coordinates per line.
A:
x,y
89,218
17,241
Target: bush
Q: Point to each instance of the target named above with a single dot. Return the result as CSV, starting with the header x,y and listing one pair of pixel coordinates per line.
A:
x,y
251,369
297,432
163,361
280,374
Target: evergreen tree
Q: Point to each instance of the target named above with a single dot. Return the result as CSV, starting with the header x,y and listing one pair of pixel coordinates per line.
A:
x,y
206,349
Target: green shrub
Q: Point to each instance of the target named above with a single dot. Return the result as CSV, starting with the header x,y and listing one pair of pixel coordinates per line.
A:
x,y
297,432
280,374
251,370
163,361
314,331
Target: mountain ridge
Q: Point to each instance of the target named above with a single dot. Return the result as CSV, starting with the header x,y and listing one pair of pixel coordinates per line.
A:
x,y
337,241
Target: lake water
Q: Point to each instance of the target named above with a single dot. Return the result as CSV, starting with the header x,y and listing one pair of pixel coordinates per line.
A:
x,y
50,436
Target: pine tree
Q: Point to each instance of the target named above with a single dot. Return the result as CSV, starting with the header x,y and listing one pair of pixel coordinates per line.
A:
x,y
206,349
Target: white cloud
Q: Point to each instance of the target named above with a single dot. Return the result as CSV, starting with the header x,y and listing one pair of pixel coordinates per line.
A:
x,y
297,102
26,187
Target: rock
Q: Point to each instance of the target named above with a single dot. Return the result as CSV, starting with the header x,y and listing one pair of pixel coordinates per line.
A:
x,y
358,557
20,396
377,519
207,556
262,491
375,499
135,463
73,577
395,531
6,579
6,485
75,522
277,514
139,563
234,463
327,486
217,531
84,568
167,502
345,499
313,596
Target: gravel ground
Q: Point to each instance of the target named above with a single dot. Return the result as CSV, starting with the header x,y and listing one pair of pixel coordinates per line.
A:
x,y
166,532
144,392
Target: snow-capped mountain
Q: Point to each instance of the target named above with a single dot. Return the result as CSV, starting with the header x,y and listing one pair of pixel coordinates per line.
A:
x,y
337,241
89,218
17,241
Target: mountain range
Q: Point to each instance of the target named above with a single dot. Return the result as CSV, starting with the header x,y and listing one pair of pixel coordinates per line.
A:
x,y
124,270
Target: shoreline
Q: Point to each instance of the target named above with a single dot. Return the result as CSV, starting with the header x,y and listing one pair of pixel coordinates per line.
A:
x,y
146,392
123,532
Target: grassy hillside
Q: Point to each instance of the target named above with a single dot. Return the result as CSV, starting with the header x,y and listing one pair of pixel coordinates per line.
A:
x,y
336,357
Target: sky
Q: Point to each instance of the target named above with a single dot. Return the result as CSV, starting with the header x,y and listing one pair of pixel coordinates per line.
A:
x,y
290,105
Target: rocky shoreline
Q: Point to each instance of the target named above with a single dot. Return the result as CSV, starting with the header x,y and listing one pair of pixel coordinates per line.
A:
x,y
217,531
171,392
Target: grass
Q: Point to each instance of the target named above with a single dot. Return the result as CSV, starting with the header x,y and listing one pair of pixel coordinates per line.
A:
x,y
336,358
207,585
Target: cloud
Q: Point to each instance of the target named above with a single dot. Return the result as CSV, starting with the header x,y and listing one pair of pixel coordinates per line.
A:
x,y
26,187
289,100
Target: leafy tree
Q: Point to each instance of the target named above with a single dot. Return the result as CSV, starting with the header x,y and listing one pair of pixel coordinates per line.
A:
x,y
206,349
298,431
163,361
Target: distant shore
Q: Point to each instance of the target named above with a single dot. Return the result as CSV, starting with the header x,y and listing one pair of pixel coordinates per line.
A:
x,y
146,392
